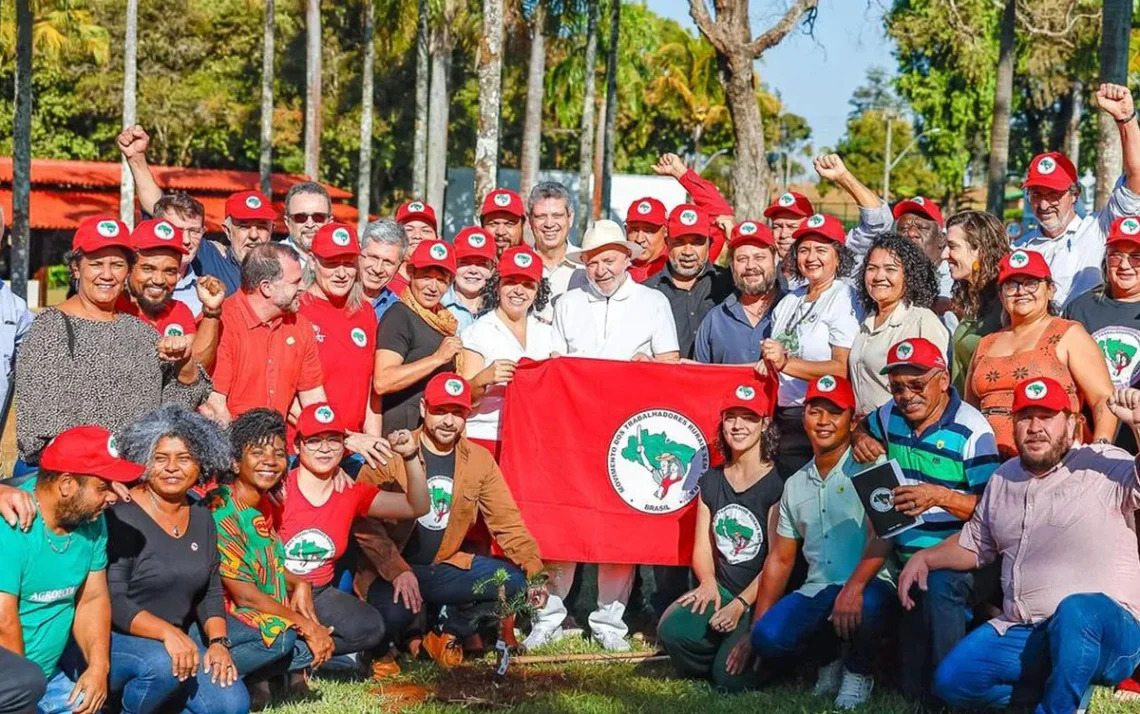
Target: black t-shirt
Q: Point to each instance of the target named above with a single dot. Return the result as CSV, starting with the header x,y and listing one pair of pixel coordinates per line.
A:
x,y
405,333
430,527
739,526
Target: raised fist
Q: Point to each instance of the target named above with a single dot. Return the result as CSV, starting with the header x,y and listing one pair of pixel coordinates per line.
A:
x,y
830,167
670,165
1116,100
133,141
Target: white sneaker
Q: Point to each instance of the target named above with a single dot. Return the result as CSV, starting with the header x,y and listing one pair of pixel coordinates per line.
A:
x,y
854,691
829,679
613,643
540,637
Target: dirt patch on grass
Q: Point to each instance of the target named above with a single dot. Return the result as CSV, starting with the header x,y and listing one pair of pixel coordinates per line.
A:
x,y
476,686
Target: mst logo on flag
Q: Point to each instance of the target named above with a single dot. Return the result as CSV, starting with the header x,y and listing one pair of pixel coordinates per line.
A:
x,y
653,452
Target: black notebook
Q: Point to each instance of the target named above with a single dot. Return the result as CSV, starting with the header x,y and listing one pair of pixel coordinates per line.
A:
x,y
875,487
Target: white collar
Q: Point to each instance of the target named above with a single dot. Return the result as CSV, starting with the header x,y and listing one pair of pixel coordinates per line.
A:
x,y
622,293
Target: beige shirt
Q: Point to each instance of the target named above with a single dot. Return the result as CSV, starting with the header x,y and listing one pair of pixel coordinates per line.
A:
x,y
1070,531
869,351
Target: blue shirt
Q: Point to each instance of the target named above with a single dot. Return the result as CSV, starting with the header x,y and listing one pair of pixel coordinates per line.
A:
x,y
211,260
383,301
727,337
187,291
15,320
465,317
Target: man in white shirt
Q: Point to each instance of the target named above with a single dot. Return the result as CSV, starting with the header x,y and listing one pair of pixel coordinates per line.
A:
x,y
1074,246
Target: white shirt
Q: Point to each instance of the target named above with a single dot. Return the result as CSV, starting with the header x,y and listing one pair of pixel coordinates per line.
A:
x,y
1075,256
810,329
634,319
493,340
869,351
562,278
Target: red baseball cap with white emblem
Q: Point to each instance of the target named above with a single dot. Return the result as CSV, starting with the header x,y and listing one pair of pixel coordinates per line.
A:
x,y
157,233
502,200
646,211
101,231
334,240
821,225
433,253
1124,229
836,390
416,210
1028,263
472,242
747,396
688,219
89,451
1041,392
250,206
520,260
916,352
317,419
1052,170
790,203
751,233
448,389
922,206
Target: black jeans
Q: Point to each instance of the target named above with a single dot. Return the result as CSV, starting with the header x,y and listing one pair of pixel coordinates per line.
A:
x,y
795,449
932,628
356,626
22,684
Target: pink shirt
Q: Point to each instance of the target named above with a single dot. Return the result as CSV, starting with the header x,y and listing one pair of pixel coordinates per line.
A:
x,y
1069,531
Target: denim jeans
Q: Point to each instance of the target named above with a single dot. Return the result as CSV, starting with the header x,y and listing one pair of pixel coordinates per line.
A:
x,y
798,622
929,631
288,653
58,691
1090,639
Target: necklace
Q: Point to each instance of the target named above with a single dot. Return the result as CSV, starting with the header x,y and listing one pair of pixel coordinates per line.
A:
x,y
174,530
47,533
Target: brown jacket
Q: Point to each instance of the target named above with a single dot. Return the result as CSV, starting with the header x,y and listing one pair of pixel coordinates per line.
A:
x,y
478,488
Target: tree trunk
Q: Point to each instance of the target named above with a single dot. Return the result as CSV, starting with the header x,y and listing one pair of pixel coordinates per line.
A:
x,y
265,160
490,74
532,118
364,171
1072,143
1115,34
750,166
611,106
130,109
313,89
586,137
885,194
22,152
1003,101
599,164
419,138
438,108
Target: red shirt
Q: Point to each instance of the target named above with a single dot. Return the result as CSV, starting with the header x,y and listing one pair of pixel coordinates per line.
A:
x,y
315,536
346,343
640,272
264,364
175,319
397,284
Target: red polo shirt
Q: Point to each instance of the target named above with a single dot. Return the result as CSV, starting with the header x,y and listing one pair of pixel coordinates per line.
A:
x,y
264,364
174,320
346,343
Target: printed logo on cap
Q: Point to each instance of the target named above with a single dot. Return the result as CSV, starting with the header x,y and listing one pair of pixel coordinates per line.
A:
x,y
163,230
688,217
787,200
324,414
882,499
477,240
1046,166
415,207
107,229
438,251
1019,259
904,350
1036,390
919,200
748,228
112,446
341,237
1130,226
252,202
644,207
358,337
502,200
173,330
826,384
453,387
523,260
815,221
745,392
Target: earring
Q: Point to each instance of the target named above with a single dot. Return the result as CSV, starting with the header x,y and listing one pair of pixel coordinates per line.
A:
x,y
976,266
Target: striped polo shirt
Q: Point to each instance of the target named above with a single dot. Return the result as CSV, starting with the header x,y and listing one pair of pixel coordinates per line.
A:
x,y
958,451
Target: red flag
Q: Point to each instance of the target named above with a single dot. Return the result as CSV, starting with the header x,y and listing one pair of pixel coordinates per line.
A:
x,y
604,457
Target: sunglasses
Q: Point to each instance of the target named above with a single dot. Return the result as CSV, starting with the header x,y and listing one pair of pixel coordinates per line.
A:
x,y
305,217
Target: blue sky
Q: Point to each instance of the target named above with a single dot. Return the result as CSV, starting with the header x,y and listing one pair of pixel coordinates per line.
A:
x,y
815,77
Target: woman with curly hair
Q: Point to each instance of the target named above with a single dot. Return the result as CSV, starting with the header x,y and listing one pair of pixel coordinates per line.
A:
x,y
163,574
975,244
898,289
508,332
706,630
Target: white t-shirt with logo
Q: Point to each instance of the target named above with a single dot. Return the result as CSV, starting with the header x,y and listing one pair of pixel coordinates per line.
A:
x,y
812,329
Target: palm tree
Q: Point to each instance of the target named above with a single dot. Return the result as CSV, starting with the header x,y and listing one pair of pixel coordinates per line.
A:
x,y
1116,23
22,151
130,109
419,138
313,89
364,178
686,84
265,159
611,105
490,72
1003,108
586,138
439,99
532,116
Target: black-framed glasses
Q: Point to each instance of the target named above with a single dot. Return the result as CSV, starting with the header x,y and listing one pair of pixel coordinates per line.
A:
x,y
304,217
1116,259
1029,286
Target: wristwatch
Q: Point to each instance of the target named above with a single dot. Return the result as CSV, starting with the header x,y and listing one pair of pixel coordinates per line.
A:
x,y
223,641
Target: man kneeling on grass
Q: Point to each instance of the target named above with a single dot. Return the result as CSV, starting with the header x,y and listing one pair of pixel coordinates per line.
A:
x,y
419,563
1062,518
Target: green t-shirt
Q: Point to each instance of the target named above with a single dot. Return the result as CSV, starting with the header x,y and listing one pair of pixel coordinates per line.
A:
x,y
45,571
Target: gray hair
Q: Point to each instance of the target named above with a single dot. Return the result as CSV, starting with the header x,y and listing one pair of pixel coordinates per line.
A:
x,y
387,232
263,263
549,189
306,187
205,440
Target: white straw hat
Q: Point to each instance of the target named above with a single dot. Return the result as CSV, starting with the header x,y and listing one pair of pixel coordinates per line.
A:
x,y
604,233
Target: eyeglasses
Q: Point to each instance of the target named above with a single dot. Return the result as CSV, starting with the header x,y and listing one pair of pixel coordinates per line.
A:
x,y
1045,195
1029,286
915,386
323,443
305,217
1117,259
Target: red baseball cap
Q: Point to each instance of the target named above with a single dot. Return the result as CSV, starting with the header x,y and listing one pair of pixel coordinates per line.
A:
x,y
1029,263
89,451
157,233
915,352
792,203
250,206
502,200
520,260
920,205
822,226
648,211
1051,170
688,219
317,419
472,242
101,231
433,253
1041,392
747,396
448,389
416,210
1124,229
751,233
836,390
334,240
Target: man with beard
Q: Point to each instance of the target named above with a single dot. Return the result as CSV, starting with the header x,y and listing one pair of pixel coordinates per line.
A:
x,y
691,284
1074,246
1061,516
703,193
53,578
268,353
947,452
307,208
732,331
249,222
502,217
